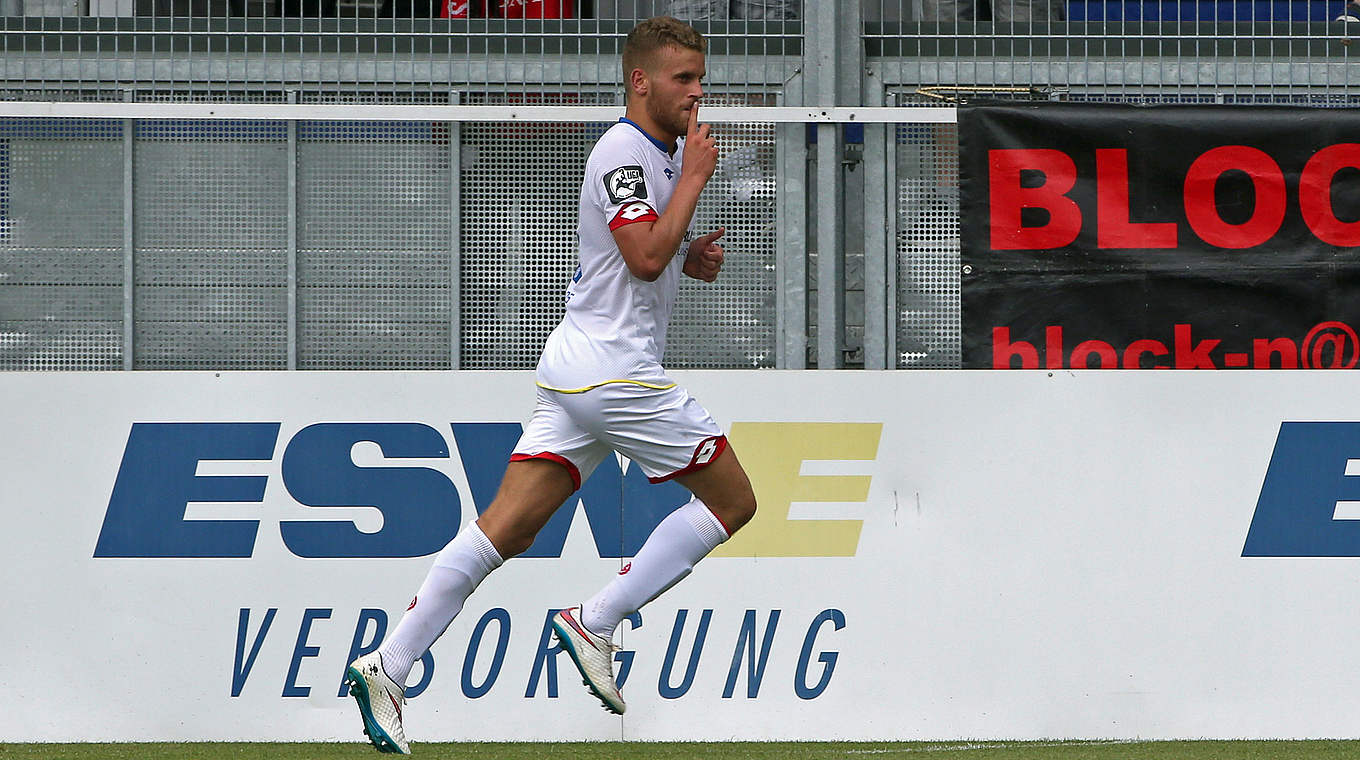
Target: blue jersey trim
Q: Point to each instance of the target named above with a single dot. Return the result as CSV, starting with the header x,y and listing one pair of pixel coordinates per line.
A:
x,y
659,145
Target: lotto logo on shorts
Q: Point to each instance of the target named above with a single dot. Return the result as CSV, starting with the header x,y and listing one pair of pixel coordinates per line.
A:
x,y
707,450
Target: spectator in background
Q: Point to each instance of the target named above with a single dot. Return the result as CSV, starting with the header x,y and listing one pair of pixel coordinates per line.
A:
x,y
306,8
1351,12
994,10
704,10
486,9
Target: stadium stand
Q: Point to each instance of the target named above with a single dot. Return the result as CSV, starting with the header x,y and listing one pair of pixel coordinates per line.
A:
x,y
1203,10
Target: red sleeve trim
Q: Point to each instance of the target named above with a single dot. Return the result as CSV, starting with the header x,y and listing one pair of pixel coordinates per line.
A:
x,y
551,457
637,211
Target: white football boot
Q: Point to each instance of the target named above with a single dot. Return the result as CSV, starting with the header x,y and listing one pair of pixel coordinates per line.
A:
x,y
380,701
593,655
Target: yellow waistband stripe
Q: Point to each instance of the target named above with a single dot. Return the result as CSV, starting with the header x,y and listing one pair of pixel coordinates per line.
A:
x,y
653,386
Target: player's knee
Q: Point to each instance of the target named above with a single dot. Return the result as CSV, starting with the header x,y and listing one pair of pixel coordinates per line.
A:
x,y
748,508
739,511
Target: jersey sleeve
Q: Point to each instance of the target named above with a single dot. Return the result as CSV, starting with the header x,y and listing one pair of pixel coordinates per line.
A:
x,y
623,191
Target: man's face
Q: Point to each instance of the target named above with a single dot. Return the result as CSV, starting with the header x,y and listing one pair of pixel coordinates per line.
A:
x,y
674,87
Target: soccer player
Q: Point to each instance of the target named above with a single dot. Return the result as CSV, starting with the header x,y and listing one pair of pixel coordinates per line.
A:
x,y
602,389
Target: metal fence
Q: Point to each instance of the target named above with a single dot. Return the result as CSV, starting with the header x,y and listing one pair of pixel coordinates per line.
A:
x,y
259,50
361,242
261,244
396,50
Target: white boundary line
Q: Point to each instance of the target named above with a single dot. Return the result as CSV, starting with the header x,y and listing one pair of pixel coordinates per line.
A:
x,y
459,113
970,746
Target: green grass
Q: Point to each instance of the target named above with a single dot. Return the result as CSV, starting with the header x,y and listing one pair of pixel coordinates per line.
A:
x,y
979,750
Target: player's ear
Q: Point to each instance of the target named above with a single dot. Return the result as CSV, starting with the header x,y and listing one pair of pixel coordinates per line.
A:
x,y
637,81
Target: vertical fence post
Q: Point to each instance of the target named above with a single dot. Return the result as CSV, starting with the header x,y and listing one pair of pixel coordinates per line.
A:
x,y
292,237
791,219
455,237
820,53
890,233
876,250
129,260
791,222
830,249
835,52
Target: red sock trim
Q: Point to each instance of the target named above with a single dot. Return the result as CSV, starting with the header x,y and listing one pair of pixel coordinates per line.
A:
x,y
726,529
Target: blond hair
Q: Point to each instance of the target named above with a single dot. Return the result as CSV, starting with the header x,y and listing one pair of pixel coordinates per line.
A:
x,y
652,35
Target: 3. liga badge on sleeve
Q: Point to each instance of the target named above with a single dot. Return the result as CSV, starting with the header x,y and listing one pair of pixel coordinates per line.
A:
x,y
625,183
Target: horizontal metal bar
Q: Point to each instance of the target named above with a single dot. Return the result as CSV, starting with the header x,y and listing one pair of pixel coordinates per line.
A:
x,y
361,112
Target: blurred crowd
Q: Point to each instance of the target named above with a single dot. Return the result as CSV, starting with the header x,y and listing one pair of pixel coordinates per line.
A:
x,y
716,10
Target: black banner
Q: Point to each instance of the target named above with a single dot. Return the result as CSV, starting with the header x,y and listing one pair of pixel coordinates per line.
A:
x,y
1111,236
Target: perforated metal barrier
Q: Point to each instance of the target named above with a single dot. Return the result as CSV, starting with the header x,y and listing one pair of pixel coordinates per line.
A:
x,y
362,243
210,230
373,237
61,245
520,188
927,246
731,323
334,244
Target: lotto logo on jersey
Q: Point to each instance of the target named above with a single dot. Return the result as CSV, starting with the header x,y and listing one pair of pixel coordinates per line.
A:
x,y
625,184
636,211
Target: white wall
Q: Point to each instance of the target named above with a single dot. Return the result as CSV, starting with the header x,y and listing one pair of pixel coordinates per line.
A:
x,y
1035,556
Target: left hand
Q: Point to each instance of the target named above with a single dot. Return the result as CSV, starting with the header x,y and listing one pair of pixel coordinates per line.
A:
x,y
705,257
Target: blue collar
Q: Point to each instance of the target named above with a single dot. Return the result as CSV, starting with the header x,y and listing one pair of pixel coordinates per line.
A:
x,y
659,145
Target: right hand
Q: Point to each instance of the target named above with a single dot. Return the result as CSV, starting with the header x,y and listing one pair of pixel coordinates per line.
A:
x,y
701,150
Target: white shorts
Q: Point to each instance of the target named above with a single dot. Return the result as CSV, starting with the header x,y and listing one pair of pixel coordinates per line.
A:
x,y
665,432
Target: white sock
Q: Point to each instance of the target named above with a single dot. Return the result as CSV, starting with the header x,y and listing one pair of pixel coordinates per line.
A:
x,y
460,566
686,536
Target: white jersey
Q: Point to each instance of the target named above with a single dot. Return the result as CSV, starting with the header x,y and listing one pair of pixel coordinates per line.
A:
x,y
614,329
